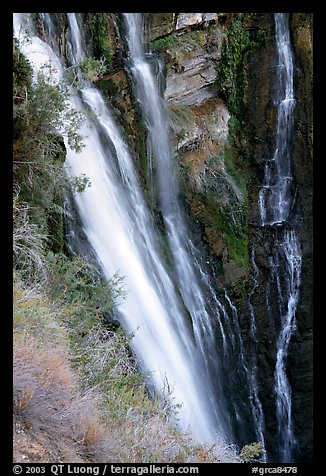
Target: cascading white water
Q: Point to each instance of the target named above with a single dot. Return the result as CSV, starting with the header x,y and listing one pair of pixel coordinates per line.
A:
x,y
276,194
257,405
174,313
275,202
119,227
184,253
191,277
290,268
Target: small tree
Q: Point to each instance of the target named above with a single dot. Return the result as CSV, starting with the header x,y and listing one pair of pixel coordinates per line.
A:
x,y
252,453
43,115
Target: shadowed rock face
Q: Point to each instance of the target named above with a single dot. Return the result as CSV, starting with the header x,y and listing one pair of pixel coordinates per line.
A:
x,y
300,359
262,116
160,24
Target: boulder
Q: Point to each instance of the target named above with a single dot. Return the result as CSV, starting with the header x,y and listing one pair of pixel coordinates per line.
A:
x,y
186,20
160,24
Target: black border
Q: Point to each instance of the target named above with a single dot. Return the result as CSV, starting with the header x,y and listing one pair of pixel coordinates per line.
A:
x,y
6,454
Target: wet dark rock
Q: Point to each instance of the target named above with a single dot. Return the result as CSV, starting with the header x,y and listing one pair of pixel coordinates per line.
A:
x,y
262,117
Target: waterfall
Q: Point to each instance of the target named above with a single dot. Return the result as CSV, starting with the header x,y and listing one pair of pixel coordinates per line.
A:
x,y
252,372
275,203
193,282
165,311
290,267
276,194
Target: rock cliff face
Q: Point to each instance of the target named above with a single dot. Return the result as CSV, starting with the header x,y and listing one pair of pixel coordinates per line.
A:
x,y
261,116
213,188
301,355
192,57
221,160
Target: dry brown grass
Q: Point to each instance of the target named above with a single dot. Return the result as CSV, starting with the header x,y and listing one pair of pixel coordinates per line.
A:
x,y
98,411
28,241
49,405
60,424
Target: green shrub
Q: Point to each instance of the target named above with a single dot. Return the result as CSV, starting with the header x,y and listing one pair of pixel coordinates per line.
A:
x,y
42,115
93,69
252,453
230,80
224,195
163,42
22,72
97,28
86,295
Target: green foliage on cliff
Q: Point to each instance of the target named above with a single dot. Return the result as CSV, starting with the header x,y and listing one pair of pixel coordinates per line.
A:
x,y
180,46
236,236
21,72
230,84
97,29
93,69
186,42
41,116
252,453
230,73
79,286
163,42
229,79
238,241
226,200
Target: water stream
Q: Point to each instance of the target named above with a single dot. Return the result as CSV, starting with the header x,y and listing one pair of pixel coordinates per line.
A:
x,y
275,203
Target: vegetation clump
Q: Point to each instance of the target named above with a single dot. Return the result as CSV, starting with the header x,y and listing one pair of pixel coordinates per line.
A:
x,y
230,78
163,42
98,32
225,198
42,118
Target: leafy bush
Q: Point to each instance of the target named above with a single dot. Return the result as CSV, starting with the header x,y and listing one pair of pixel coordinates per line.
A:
x,y
230,74
21,73
87,297
97,28
252,453
163,42
93,69
42,115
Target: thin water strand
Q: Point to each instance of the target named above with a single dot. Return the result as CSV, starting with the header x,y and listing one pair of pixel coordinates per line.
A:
x,y
276,193
291,254
257,408
275,203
